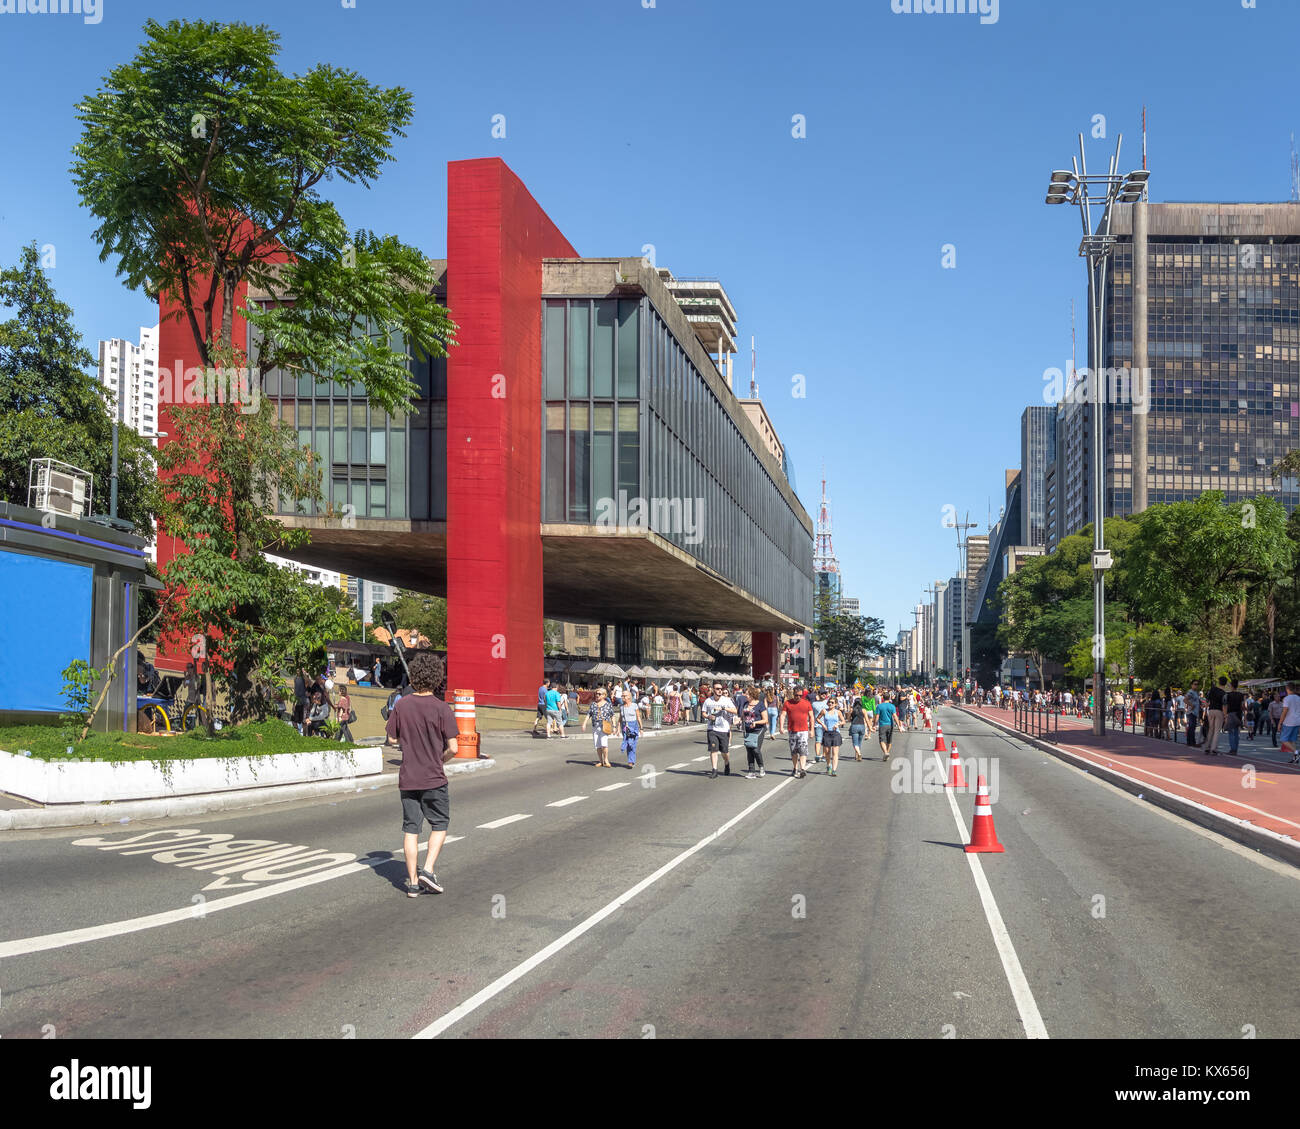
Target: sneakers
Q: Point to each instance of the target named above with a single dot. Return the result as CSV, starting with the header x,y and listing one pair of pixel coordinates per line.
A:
x,y
802,774
430,881
834,773
761,773
412,889
750,776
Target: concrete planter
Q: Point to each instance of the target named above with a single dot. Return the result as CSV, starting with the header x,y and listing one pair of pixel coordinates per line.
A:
x,y
81,782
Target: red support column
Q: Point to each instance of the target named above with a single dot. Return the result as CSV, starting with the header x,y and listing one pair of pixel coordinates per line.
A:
x,y
497,236
765,646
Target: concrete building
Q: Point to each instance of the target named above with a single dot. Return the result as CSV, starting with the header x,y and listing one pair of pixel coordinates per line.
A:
x,y
1206,297
1037,453
940,628
620,481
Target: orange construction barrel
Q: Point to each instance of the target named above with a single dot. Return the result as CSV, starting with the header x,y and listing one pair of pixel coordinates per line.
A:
x,y
466,733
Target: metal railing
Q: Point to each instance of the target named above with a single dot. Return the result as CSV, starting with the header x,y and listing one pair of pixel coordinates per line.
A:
x,y
1037,721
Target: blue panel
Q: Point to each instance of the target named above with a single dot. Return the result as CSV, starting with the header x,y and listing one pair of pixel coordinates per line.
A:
x,y
45,626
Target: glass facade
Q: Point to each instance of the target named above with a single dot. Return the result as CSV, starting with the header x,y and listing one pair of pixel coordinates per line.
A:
x,y
381,465
1037,453
628,416
1224,353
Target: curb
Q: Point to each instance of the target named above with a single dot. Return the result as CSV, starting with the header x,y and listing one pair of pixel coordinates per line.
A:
x,y
82,815
1272,843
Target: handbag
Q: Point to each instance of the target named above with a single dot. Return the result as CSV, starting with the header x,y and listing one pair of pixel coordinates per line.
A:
x,y
352,717
607,727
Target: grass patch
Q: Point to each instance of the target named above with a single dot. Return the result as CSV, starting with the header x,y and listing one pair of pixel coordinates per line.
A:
x,y
255,739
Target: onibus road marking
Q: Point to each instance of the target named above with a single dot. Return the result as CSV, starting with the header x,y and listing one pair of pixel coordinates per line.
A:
x,y
1020,990
500,984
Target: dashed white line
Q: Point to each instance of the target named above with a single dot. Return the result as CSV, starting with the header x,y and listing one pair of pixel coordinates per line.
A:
x,y
566,803
672,767
500,984
1030,1018
502,822
697,760
614,787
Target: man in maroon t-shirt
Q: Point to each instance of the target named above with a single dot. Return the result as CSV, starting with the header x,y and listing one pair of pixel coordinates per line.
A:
x,y
796,720
425,727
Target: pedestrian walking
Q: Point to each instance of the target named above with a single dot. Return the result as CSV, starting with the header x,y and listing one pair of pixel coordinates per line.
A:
x,y
796,721
1290,727
755,721
832,738
773,709
424,726
857,727
718,712
1214,699
886,719
554,716
630,720
1192,705
600,714
343,711
1234,707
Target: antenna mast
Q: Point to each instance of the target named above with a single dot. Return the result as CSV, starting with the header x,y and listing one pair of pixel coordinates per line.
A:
x,y
1295,173
753,370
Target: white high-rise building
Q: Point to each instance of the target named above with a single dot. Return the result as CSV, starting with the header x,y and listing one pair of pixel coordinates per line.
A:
x,y
130,373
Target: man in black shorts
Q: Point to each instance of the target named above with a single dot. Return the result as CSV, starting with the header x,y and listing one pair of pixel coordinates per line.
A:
x,y
425,727
718,712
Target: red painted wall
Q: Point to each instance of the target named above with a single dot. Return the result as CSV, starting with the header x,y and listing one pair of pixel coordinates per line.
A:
x,y
765,647
497,236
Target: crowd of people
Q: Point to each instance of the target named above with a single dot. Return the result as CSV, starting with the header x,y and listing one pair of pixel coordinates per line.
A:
x,y
1224,711
814,719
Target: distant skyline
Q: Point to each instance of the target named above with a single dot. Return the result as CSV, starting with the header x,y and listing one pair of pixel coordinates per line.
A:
x,y
867,185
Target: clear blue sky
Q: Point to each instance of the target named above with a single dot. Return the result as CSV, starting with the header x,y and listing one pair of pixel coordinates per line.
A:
x,y
671,125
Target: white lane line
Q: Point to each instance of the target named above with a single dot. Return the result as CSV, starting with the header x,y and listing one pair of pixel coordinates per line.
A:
x,y
425,845
673,767
698,759
502,822
614,787
566,803
188,913
500,984
1030,1018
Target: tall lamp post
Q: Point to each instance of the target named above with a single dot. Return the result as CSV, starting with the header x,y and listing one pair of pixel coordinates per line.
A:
x,y
1102,191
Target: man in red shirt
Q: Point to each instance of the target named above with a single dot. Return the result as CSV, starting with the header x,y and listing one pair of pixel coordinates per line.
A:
x,y
425,727
796,720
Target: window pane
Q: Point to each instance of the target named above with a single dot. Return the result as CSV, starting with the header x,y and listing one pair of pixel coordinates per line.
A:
x,y
378,446
358,454
554,350
629,450
358,499
553,496
602,453
627,349
579,327
579,463
377,500
603,362
397,472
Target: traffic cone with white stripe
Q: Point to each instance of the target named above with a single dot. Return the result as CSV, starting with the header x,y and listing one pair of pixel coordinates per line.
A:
x,y
983,836
926,714
939,745
956,775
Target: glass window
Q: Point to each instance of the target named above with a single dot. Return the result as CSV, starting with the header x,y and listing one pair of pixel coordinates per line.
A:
x,y
554,350
629,450
378,446
554,508
579,328
603,360
628,351
378,507
602,452
579,462
397,471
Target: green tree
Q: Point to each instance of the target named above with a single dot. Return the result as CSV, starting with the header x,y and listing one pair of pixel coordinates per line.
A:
x,y
1193,564
51,407
202,162
427,614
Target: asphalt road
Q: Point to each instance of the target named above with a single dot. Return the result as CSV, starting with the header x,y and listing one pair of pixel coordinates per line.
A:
x,y
826,907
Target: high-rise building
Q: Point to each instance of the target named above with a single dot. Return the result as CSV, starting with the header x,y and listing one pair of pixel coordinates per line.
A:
x,y
977,555
1037,453
850,605
130,373
940,655
952,641
1207,298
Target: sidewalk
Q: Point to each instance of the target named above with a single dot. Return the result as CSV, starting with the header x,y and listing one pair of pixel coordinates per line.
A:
x,y
1261,809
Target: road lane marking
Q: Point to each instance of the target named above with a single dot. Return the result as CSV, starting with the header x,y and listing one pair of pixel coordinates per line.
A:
x,y
698,759
1030,1018
566,803
673,767
187,913
501,983
502,822
614,787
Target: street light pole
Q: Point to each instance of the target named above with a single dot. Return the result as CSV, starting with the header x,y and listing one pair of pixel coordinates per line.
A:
x,y
1103,191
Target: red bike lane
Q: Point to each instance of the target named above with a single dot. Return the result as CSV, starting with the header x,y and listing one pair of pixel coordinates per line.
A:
x,y
1246,788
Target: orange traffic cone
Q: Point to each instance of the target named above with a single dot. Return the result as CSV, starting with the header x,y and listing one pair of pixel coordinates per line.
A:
x,y
939,746
983,836
956,776
927,719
